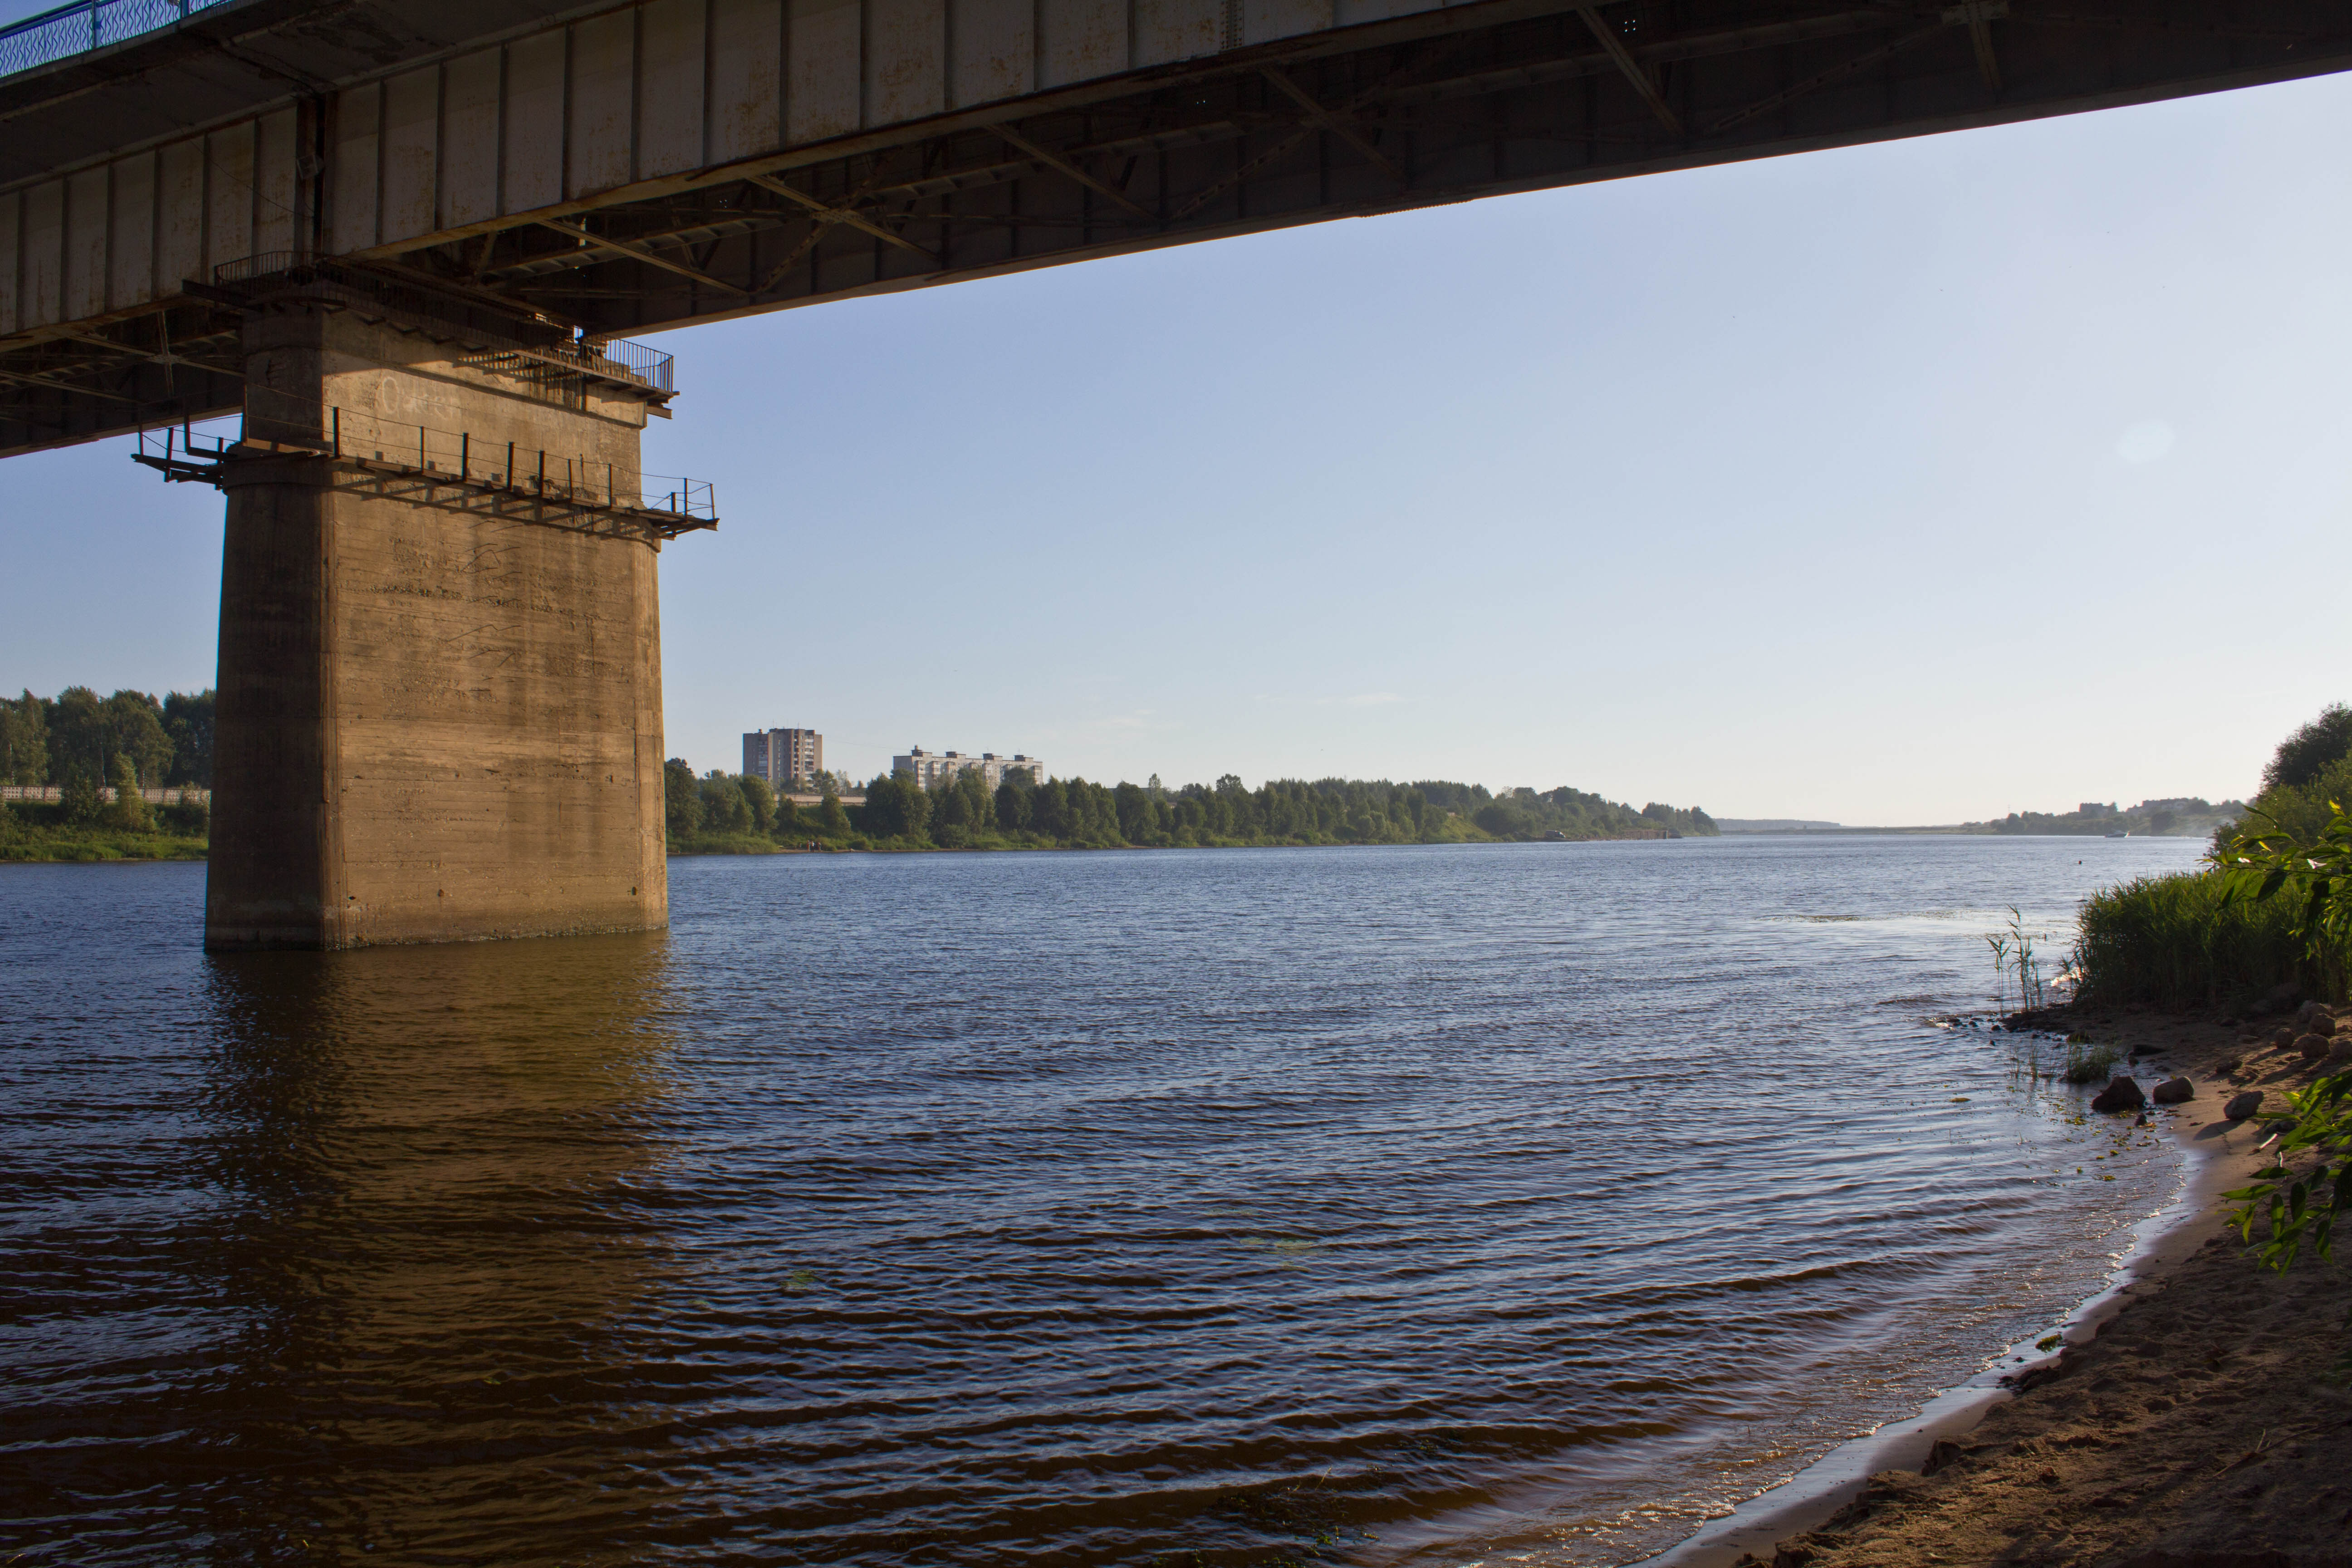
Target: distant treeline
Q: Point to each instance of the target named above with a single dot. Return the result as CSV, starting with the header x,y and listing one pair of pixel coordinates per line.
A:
x,y
100,752
79,734
2187,816
722,812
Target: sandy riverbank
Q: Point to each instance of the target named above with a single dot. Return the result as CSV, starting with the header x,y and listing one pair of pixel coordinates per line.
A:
x,y
2192,1426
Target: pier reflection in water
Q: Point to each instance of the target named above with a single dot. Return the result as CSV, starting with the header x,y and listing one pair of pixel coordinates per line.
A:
x,y
1083,1210
385,1281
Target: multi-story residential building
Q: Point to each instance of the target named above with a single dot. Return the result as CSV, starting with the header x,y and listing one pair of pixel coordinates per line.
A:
x,y
930,768
783,756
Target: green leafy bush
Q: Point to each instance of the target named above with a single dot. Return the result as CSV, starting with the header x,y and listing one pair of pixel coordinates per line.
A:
x,y
2302,1206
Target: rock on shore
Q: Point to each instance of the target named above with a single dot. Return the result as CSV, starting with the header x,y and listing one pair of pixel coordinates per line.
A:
x,y
2122,1093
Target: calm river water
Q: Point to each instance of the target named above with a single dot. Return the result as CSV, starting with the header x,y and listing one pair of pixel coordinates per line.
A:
x,y
1219,1208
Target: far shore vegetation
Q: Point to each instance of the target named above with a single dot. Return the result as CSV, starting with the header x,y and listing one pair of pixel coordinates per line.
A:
x,y
2186,816
732,813
103,754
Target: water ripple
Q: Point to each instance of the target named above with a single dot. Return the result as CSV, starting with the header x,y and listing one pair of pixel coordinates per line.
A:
x,y
1061,1208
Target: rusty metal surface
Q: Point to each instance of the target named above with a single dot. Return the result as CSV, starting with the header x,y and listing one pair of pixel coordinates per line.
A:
x,y
229,57
566,174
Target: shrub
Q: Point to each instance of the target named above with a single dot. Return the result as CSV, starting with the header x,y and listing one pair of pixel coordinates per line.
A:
x,y
78,799
2304,1204
193,819
128,810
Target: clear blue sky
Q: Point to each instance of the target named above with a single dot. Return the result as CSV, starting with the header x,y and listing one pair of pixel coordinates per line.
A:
x,y
1933,481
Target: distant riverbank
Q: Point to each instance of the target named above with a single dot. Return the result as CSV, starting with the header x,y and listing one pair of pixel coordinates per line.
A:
x,y
48,848
170,825
858,843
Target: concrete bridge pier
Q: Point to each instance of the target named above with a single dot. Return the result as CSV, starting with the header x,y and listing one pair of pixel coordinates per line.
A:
x,y
440,655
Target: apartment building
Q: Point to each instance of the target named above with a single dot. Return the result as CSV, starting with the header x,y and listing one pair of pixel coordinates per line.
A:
x,y
929,767
783,756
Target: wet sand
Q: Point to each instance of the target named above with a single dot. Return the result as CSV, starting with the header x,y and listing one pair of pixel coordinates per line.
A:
x,y
2193,1425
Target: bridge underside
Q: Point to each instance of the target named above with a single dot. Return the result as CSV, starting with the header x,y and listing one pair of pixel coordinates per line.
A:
x,y
1441,105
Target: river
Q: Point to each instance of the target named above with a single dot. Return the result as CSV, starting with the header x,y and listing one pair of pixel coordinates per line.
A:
x,y
1217,1208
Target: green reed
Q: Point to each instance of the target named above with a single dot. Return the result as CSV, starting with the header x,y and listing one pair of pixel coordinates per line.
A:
x,y
2088,1061
2173,943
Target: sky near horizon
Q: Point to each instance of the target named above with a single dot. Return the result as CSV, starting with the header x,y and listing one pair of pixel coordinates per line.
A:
x,y
1921,482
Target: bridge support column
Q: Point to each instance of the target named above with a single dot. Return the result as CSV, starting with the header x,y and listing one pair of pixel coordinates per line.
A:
x,y
440,669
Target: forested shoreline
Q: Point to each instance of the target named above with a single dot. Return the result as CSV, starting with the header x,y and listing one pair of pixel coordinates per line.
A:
x,y
733,814
102,753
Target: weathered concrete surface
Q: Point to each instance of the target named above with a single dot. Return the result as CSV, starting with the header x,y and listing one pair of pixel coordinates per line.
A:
x,y
434,725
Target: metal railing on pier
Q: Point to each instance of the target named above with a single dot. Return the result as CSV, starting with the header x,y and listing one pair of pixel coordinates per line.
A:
x,y
79,28
672,501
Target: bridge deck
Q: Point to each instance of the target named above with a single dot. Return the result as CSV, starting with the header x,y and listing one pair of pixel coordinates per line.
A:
x,y
611,169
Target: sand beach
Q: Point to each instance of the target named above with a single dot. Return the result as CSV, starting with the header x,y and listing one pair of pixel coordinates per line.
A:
x,y
2194,1423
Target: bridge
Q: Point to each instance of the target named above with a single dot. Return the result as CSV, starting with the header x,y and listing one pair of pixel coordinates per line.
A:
x,y
406,239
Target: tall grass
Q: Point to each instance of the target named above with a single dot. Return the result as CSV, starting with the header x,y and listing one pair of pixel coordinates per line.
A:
x,y
2169,943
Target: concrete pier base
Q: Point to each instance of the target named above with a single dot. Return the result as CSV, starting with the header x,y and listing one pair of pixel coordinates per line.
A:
x,y
440,695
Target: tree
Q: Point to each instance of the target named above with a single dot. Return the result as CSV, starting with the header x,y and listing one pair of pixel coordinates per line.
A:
x,y
129,811
88,731
134,728
788,817
831,820
1049,809
1133,809
78,797
188,721
959,806
977,809
25,741
76,724
913,804
724,809
2306,755
1012,806
681,799
761,799
1502,821
897,808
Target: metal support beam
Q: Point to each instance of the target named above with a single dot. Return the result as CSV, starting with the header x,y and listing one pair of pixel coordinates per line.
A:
x,y
1067,169
1630,68
651,258
1420,70
829,214
78,388
1980,15
1820,80
817,230
1339,127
